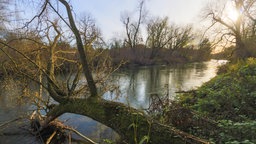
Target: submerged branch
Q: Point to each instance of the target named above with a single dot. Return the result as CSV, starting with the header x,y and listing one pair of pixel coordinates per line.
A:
x,y
10,121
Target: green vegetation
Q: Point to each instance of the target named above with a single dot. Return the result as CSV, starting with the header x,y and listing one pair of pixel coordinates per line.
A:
x,y
229,100
222,110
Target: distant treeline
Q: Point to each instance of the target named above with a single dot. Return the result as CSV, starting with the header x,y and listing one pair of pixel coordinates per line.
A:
x,y
141,55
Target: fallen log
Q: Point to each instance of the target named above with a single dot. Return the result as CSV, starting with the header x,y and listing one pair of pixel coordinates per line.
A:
x,y
120,117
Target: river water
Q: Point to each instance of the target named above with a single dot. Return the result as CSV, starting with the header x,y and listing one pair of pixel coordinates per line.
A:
x,y
133,87
137,84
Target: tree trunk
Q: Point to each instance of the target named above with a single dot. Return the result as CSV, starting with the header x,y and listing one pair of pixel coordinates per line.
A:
x,y
131,124
240,51
80,47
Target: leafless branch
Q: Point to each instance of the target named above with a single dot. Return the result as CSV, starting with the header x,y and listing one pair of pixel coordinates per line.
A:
x,y
38,15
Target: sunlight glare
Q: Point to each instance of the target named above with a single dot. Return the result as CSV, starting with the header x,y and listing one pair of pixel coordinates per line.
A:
x,y
232,13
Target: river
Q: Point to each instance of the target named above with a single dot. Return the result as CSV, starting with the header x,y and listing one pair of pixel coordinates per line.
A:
x,y
133,87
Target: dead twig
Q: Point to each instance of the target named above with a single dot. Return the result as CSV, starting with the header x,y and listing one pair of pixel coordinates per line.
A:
x,y
50,138
13,120
78,133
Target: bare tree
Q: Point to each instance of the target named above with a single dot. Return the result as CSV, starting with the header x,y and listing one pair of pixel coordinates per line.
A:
x,y
249,10
6,15
158,31
2,13
133,28
183,36
91,34
163,35
159,35
233,30
92,38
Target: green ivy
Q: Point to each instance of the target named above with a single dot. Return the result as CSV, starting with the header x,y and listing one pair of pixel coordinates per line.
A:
x,y
229,99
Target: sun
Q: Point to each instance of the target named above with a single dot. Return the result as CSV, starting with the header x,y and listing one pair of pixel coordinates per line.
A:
x,y
232,12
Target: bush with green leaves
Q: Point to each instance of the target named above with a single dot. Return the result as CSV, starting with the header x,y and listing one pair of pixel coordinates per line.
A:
x,y
229,95
230,100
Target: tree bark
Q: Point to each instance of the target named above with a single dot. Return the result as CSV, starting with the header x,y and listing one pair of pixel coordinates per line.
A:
x,y
80,47
240,51
123,120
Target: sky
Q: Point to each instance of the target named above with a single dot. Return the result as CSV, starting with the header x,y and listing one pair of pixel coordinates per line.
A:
x,y
107,13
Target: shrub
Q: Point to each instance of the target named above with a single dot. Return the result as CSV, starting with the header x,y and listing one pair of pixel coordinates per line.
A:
x,y
230,100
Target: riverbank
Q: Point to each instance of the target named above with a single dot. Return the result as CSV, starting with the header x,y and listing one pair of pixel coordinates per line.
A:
x,y
228,101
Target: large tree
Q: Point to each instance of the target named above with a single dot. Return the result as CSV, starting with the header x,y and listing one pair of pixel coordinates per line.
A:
x,y
234,19
161,35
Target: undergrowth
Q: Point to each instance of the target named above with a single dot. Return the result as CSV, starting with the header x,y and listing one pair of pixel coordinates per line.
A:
x,y
230,95
223,110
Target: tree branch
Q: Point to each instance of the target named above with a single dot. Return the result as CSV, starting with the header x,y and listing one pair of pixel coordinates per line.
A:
x,y
80,47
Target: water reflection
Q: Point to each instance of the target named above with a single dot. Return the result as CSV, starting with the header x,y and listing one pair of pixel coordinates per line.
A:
x,y
136,85
10,107
93,129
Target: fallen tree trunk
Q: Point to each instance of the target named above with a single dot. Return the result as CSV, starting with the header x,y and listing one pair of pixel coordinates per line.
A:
x,y
131,124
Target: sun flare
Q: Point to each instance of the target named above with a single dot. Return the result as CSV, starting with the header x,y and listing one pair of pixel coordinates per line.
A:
x,y
232,12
